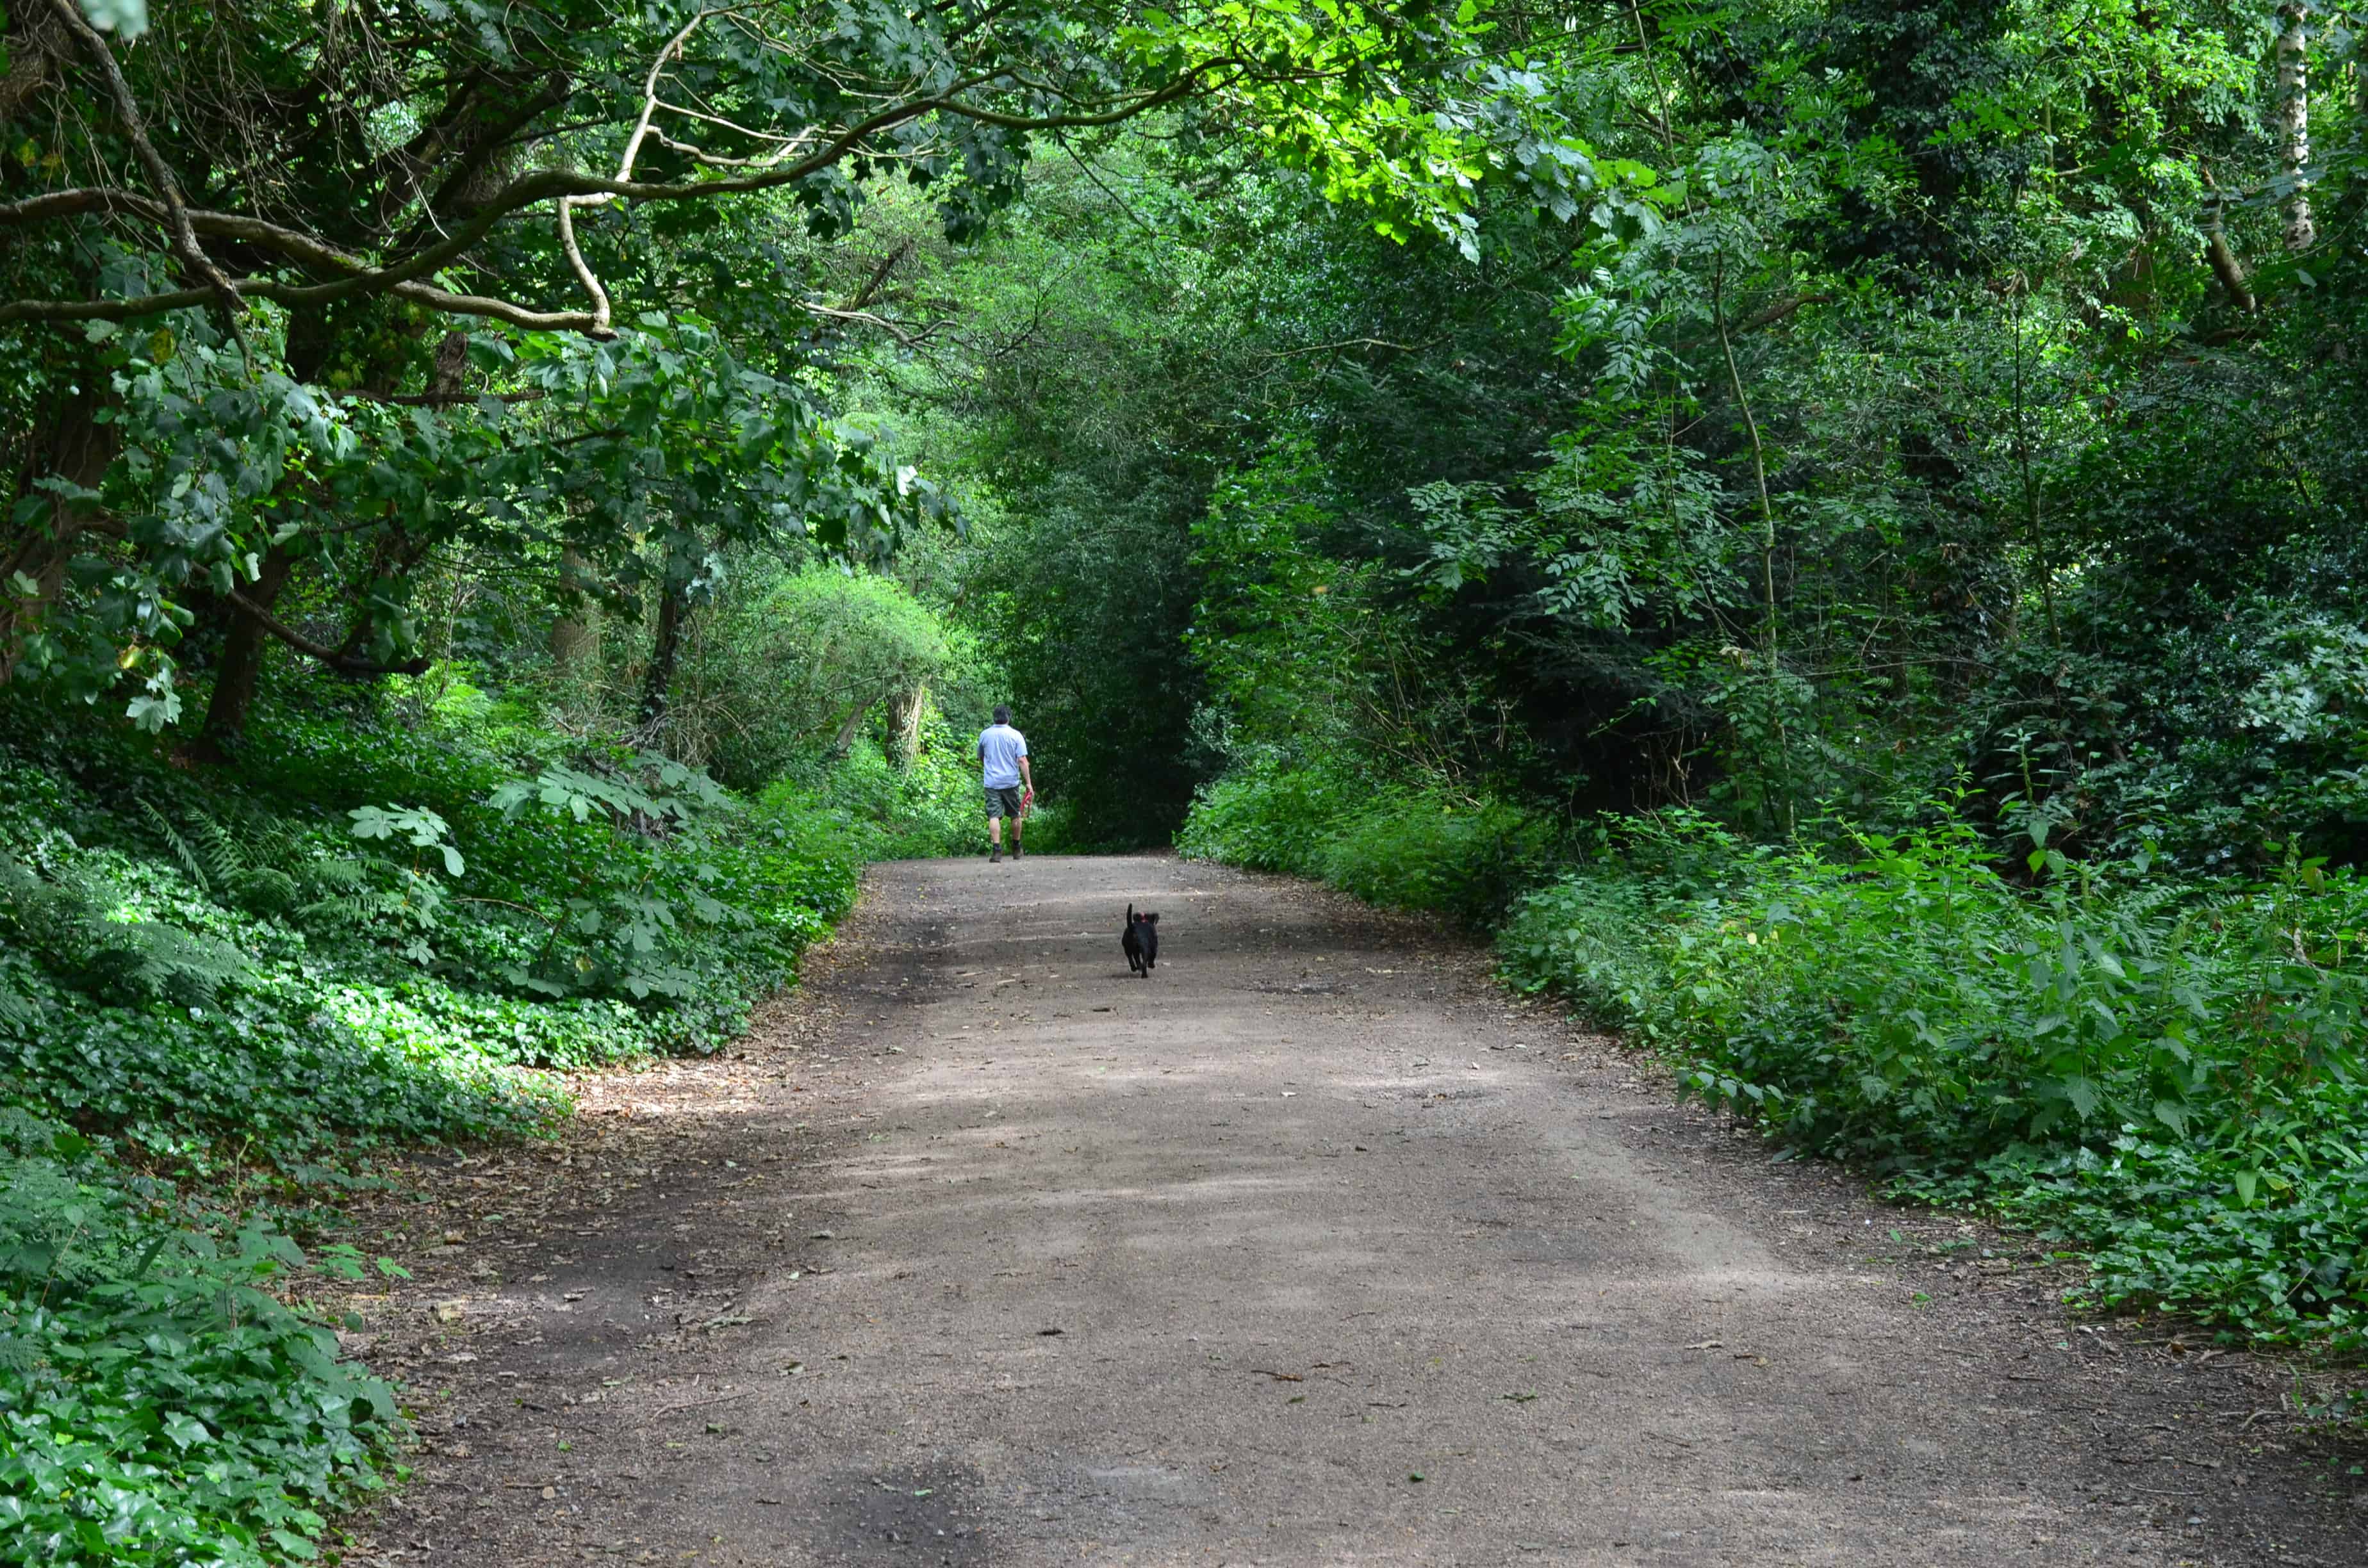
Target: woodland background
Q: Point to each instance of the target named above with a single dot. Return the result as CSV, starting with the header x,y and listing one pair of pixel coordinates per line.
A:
x,y
1829,528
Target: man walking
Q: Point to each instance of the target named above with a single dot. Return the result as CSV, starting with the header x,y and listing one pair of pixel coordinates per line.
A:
x,y
1003,767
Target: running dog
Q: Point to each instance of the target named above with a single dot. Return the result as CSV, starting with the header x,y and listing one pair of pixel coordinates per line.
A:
x,y
1141,942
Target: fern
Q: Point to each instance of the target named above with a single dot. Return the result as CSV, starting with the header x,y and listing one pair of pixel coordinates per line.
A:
x,y
261,873
64,925
180,847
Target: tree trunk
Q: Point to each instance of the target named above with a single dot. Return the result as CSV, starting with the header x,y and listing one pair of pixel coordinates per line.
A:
x,y
846,732
2290,120
575,635
77,448
2227,267
241,664
666,651
909,708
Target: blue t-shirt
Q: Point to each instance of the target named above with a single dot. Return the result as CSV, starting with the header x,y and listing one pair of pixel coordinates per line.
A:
x,y
1000,747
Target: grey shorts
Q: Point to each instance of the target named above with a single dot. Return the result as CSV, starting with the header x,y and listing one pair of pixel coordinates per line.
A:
x,y
1002,802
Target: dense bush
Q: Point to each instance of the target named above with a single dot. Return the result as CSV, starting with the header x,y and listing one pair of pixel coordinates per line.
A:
x,y
2164,1071
1268,819
159,1401
1408,847
789,666
883,812
370,934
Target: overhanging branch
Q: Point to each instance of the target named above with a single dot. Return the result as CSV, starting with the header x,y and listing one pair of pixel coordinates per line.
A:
x,y
408,278
185,245
336,659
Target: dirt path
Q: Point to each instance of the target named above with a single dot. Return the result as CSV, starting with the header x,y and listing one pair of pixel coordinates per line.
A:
x,y
1311,1249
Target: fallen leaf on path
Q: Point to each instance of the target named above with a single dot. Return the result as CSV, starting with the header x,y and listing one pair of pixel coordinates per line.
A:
x,y
1279,1376
1709,1345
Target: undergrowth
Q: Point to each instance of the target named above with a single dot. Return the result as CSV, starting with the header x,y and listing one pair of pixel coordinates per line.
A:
x,y
222,991
2161,1068
2163,1072
1426,849
880,811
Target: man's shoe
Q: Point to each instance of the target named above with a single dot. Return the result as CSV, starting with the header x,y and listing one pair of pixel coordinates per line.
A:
x,y
996,856
1015,850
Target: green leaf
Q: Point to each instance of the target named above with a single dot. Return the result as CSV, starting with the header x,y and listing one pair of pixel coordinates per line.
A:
x,y
185,1431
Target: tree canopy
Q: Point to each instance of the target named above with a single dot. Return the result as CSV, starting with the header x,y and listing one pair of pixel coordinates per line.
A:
x,y
1827,529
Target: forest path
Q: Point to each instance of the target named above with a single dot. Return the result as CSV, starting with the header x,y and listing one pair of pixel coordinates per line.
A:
x,y
1313,1248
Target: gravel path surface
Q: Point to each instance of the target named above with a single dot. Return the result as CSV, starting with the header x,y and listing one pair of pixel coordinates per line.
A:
x,y
1312,1248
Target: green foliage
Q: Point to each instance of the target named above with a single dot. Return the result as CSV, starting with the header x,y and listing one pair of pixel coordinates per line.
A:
x,y
78,930
235,983
793,664
159,1401
2164,1071
1269,819
1412,848
887,812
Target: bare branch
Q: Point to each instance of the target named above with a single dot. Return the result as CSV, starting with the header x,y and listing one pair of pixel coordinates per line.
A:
x,y
406,277
865,318
1770,314
1351,343
441,399
582,271
127,109
870,289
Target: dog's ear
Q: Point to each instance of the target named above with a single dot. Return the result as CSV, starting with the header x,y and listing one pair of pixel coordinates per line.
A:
x,y
1151,920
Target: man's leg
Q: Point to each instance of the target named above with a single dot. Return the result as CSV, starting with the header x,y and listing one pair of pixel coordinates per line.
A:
x,y
994,835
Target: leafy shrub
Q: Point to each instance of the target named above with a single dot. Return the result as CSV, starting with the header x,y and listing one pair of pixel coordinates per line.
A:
x,y
1428,851
159,1404
2161,1070
777,672
891,812
368,936
1410,848
1268,819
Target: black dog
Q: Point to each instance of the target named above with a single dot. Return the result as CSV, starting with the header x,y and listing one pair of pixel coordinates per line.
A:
x,y
1141,942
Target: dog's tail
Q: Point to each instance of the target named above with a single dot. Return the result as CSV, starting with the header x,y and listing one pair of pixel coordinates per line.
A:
x,y
1130,915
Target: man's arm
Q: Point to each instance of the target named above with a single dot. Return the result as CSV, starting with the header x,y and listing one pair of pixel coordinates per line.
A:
x,y
1026,778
